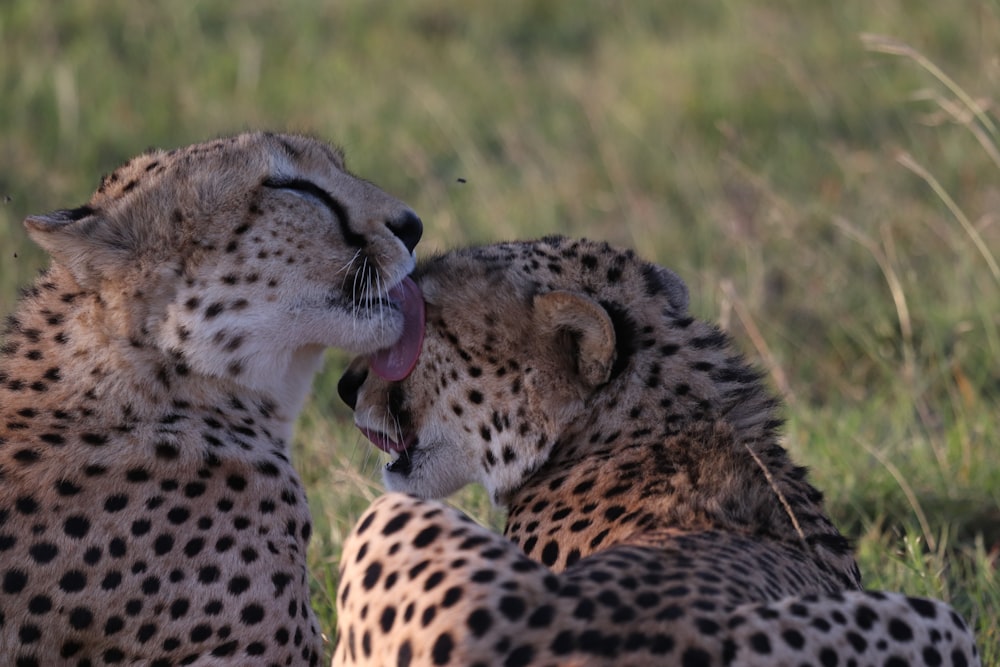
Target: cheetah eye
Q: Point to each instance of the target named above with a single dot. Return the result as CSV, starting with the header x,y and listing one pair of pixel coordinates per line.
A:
x,y
309,190
299,186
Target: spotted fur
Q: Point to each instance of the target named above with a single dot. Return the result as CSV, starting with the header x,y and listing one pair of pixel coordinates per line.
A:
x,y
654,517
149,381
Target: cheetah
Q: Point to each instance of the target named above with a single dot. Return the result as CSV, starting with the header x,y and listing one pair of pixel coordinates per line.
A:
x,y
149,381
654,518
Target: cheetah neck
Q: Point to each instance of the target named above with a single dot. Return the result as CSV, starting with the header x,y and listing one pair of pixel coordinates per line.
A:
x,y
93,358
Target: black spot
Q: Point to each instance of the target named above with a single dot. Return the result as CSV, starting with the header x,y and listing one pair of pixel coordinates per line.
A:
x,y
267,468
372,575
166,451
200,632
208,574
443,646
229,648
542,617
14,581
484,576
236,482
512,607
252,614
136,475
194,489
95,439
387,619
40,604
925,608
828,657
550,553
117,547
900,630
433,580
113,625
163,544
26,505
115,503
140,527
865,617
695,657
80,618
73,581
280,581
563,643
26,456
479,622
178,515
793,638
520,656
111,581
76,526
179,608
859,643
405,655
43,552
29,634
451,596
426,536
92,555
716,339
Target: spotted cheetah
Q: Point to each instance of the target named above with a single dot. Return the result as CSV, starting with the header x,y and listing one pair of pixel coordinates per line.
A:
x,y
149,381
654,518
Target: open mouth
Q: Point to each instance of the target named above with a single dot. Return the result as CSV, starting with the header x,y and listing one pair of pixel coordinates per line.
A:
x,y
402,450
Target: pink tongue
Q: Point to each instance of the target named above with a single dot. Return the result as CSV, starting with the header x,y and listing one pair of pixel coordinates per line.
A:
x,y
396,362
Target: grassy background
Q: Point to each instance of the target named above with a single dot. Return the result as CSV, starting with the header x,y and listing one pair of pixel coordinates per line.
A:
x,y
830,198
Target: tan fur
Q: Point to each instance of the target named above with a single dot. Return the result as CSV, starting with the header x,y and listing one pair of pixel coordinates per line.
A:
x,y
654,517
149,381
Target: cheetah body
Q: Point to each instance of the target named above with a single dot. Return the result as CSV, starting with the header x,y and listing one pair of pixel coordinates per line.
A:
x,y
149,380
653,516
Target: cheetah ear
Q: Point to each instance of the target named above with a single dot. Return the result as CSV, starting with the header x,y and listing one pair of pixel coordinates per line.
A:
x,y
582,332
80,240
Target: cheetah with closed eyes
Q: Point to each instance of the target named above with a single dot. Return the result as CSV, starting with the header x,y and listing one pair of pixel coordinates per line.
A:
x,y
654,518
149,381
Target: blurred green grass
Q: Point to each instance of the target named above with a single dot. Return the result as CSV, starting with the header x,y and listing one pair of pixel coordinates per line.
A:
x,y
758,148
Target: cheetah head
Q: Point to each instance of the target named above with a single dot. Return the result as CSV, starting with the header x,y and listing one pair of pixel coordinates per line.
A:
x,y
240,258
520,340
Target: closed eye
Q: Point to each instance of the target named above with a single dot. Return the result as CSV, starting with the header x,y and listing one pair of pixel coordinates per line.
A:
x,y
310,190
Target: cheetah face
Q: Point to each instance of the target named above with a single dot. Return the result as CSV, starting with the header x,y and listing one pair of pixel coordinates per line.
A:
x,y
241,258
499,379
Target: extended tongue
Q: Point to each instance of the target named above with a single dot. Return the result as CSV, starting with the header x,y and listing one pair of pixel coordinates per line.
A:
x,y
396,362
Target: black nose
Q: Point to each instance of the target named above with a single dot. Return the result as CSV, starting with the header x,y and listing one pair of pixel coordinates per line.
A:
x,y
349,383
407,228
